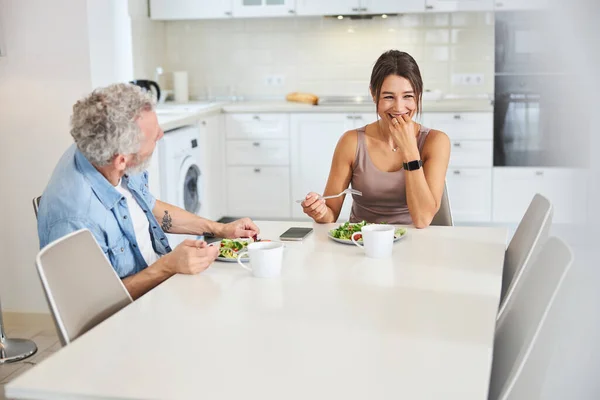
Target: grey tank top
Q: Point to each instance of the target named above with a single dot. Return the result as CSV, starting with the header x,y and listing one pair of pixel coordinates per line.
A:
x,y
383,193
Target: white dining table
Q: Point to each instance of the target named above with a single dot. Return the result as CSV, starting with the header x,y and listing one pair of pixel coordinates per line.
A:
x,y
335,325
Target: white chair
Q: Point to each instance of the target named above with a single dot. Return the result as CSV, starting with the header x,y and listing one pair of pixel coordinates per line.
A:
x,y
444,215
516,368
36,204
530,236
81,287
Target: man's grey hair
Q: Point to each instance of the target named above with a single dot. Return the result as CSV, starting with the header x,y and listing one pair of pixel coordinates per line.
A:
x,y
103,124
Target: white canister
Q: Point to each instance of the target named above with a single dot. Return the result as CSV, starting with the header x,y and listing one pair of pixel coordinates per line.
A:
x,y
180,86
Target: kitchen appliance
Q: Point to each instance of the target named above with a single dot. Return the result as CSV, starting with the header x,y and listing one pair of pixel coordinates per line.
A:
x,y
532,121
148,85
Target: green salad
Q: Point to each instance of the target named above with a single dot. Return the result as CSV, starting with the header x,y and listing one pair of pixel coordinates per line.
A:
x,y
230,248
346,230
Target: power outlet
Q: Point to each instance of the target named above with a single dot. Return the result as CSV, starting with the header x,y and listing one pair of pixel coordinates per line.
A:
x,y
467,79
274,80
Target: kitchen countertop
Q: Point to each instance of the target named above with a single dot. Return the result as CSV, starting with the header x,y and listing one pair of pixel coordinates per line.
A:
x,y
172,116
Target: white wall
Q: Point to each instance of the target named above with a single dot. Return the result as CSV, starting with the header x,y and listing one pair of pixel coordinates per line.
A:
x,y
109,28
47,68
57,51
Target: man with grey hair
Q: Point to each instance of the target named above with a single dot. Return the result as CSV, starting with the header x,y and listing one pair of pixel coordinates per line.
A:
x,y
100,183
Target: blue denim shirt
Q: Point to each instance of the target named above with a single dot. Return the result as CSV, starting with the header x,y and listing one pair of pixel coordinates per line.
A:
x,y
78,196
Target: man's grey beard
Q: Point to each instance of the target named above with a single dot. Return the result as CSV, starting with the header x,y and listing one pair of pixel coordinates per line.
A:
x,y
139,167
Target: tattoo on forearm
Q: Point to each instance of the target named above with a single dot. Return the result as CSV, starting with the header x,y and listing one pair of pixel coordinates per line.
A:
x,y
167,222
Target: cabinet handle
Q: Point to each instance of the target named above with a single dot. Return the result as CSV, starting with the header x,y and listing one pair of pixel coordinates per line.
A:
x,y
457,144
539,173
256,144
358,117
355,9
457,116
256,118
291,12
350,117
364,9
257,170
228,13
499,4
203,123
456,172
429,7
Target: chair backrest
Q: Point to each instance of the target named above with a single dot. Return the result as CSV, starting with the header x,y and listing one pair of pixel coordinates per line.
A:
x,y
444,215
530,236
81,287
520,325
36,204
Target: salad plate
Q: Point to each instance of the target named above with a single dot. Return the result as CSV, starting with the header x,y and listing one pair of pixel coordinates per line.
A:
x,y
343,233
230,248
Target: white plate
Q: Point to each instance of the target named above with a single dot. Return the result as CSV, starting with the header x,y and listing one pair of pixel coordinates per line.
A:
x,y
348,241
223,259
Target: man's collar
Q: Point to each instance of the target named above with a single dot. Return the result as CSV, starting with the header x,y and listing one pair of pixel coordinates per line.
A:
x,y
106,192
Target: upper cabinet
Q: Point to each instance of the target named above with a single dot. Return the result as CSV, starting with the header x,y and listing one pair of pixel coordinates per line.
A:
x,y
459,5
509,5
330,7
190,9
392,6
263,8
350,7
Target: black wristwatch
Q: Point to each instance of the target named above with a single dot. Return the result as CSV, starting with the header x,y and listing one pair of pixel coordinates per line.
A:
x,y
412,165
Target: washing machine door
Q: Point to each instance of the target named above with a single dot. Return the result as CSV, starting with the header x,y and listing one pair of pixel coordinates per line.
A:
x,y
189,188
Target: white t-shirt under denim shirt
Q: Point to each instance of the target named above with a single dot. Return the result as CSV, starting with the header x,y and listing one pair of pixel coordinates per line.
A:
x,y
141,226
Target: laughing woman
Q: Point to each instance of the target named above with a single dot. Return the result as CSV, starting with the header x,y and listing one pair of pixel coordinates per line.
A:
x,y
397,164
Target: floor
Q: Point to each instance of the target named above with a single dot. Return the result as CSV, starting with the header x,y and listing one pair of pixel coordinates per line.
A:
x,y
44,337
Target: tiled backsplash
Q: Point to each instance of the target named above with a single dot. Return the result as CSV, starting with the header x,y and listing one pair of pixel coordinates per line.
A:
x,y
325,56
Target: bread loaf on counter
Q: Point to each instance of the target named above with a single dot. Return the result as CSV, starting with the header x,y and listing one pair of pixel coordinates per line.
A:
x,y
303,98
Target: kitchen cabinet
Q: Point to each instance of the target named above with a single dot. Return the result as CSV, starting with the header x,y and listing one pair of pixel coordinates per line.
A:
x,y
258,192
458,5
515,187
470,194
330,7
392,6
263,8
313,138
190,9
257,155
352,7
510,5
212,165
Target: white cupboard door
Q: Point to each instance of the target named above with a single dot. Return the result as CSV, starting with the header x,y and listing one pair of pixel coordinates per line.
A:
x,y
328,7
213,166
565,188
510,5
459,126
313,141
258,152
263,8
258,192
257,126
190,9
459,5
471,153
391,6
470,194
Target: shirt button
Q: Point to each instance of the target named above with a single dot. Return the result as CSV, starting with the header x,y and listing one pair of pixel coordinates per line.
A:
x,y
122,249
145,211
124,216
153,227
134,245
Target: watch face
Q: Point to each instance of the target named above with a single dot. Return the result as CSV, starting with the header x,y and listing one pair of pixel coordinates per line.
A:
x,y
413,165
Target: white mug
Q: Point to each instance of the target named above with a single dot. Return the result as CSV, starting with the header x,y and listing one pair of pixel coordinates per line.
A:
x,y
378,240
266,259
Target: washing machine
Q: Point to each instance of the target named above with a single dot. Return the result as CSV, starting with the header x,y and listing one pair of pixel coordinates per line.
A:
x,y
181,173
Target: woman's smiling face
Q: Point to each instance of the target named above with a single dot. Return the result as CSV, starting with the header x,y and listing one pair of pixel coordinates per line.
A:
x,y
397,98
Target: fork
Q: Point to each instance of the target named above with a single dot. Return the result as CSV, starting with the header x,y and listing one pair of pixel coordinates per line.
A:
x,y
349,190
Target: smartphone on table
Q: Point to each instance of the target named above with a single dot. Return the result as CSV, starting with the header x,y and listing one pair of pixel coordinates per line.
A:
x,y
295,233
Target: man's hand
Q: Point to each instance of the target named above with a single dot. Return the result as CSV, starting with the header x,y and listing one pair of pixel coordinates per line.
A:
x,y
191,257
242,228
